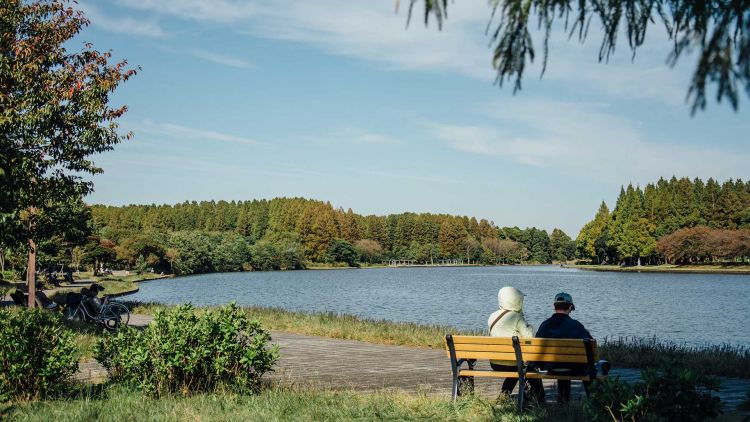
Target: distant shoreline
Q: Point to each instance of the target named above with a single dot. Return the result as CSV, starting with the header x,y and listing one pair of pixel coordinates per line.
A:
x,y
676,269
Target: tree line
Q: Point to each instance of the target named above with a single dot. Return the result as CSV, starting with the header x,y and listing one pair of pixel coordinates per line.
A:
x,y
289,233
675,220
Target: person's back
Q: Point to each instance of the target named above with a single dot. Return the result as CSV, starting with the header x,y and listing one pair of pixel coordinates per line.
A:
x,y
508,321
561,325
91,298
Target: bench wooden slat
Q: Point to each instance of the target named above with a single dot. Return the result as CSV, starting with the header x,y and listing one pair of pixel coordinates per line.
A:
x,y
541,342
490,374
498,374
558,377
524,349
482,340
528,357
502,348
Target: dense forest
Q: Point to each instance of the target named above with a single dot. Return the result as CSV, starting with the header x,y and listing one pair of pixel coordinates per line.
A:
x,y
290,233
674,221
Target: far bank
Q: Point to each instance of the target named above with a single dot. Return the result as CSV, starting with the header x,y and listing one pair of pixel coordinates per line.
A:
x,y
666,268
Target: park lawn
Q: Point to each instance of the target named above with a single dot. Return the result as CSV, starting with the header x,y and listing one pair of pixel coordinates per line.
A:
x,y
279,403
722,360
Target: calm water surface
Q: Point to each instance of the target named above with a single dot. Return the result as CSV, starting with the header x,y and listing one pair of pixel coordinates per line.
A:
x,y
691,308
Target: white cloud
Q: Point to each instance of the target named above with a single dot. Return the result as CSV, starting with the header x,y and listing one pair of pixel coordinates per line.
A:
x,y
222,11
180,131
372,31
358,135
587,140
221,59
123,25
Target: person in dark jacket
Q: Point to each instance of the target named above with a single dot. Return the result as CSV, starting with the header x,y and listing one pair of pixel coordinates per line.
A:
x,y
561,325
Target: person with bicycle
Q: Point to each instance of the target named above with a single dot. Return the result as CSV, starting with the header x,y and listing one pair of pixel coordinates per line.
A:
x,y
91,298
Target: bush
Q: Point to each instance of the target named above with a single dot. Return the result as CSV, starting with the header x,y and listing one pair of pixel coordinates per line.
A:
x,y
183,351
672,393
37,354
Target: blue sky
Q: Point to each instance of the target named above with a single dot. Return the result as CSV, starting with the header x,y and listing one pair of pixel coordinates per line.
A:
x,y
337,100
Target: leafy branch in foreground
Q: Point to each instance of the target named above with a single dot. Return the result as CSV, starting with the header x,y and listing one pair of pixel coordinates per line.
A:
x,y
718,29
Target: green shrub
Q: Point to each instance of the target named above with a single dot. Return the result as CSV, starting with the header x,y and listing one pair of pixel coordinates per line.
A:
x,y
38,355
671,393
184,351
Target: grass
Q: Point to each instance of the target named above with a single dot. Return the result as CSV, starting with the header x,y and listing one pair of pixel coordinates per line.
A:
x,y
86,335
728,268
279,404
722,360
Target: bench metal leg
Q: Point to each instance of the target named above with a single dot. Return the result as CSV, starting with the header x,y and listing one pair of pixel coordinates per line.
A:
x,y
455,366
521,373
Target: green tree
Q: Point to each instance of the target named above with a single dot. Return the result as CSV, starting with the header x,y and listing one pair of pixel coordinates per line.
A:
x,y
562,247
716,29
537,243
593,232
342,251
230,253
193,252
54,114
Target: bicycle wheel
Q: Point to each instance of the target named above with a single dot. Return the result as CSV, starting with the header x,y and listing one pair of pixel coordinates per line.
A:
x,y
120,310
109,318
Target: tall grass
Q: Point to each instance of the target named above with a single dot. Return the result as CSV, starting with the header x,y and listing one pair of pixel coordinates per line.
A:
x,y
340,326
633,352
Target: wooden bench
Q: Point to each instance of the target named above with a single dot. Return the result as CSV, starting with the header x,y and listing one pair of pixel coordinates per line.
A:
x,y
468,349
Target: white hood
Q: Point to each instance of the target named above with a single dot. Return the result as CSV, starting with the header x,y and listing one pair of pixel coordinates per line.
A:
x,y
510,298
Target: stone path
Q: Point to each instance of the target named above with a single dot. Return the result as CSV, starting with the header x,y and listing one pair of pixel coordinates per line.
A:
x,y
348,364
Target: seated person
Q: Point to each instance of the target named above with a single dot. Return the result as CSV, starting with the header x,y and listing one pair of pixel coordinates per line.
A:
x,y
45,302
20,298
561,325
508,321
91,298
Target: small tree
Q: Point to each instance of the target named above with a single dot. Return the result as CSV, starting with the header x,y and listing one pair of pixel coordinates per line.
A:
x,y
54,115
369,250
342,251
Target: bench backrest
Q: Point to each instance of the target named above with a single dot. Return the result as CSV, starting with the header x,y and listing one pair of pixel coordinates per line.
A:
x,y
539,350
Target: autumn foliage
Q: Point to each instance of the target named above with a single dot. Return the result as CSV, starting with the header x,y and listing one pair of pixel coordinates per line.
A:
x,y
704,244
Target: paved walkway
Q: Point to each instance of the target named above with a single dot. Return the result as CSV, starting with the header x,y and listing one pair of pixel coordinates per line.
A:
x,y
347,364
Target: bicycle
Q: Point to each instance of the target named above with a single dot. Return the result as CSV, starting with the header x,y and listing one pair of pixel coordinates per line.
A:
x,y
112,314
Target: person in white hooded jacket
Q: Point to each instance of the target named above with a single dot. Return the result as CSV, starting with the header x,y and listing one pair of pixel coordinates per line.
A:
x,y
508,321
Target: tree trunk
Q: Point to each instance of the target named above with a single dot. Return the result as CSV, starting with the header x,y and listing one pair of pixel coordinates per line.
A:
x,y
31,274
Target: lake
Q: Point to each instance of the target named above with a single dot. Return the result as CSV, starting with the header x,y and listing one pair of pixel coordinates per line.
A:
x,y
692,308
